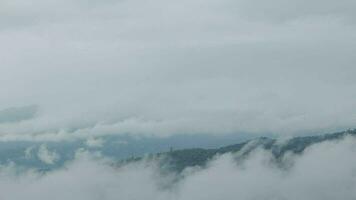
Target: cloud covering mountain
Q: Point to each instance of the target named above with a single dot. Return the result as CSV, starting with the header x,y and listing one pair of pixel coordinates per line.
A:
x,y
85,84
324,171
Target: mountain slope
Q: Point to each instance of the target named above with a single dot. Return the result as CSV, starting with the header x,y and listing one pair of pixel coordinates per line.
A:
x,y
178,160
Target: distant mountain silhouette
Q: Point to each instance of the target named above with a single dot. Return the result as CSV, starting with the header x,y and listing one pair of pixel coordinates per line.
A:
x,y
178,160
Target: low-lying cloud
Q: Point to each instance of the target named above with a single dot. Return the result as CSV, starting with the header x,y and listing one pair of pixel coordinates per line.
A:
x,y
47,156
325,171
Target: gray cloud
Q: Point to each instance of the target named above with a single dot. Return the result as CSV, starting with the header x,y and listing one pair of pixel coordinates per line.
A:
x,y
18,114
162,68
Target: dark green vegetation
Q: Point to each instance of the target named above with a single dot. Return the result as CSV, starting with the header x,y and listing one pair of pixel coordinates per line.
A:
x,y
120,148
181,159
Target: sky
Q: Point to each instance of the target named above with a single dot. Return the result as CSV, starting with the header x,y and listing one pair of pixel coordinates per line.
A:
x,y
82,69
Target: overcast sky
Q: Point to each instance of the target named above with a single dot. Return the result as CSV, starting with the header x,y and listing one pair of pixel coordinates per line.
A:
x,y
159,67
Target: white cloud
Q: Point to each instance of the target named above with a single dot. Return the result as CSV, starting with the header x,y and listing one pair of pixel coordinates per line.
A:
x,y
47,156
94,142
28,152
324,171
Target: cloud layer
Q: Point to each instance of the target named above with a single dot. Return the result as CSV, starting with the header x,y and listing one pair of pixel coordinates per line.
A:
x,y
161,67
324,171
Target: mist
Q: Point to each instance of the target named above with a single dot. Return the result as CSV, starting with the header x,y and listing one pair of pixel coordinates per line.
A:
x,y
324,171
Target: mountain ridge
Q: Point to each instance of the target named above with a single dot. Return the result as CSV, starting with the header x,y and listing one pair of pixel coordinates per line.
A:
x,y
178,160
